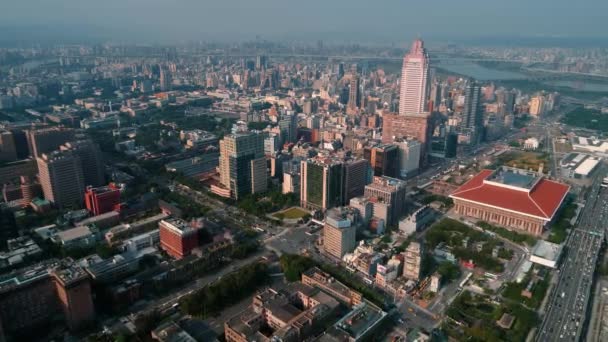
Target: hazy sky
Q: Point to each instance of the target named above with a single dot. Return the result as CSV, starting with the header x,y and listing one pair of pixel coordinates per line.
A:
x,y
388,20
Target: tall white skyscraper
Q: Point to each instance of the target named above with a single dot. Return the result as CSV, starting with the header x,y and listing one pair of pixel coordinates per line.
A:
x,y
414,80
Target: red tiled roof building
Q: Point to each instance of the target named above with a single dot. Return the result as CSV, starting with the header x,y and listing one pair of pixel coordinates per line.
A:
x,y
513,198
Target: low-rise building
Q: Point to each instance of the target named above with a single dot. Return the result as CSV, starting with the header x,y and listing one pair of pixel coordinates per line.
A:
x,y
546,253
578,165
417,221
81,236
292,314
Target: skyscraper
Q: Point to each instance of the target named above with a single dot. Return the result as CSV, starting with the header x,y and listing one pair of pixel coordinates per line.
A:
x,y
414,80
164,79
73,286
242,164
472,113
321,183
8,150
91,161
330,181
48,139
61,178
353,91
383,159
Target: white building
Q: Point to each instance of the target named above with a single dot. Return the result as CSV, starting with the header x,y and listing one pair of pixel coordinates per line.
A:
x,y
578,165
531,144
546,253
291,182
417,221
409,157
414,80
591,144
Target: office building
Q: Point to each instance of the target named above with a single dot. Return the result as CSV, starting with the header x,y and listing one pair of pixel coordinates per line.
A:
x,y
177,237
8,149
414,80
409,157
471,125
32,298
537,106
512,198
28,301
389,192
61,178
73,287
291,182
45,140
243,167
102,199
327,181
412,259
353,91
339,233
90,159
383,159
396,127
288,125
164,79
364,207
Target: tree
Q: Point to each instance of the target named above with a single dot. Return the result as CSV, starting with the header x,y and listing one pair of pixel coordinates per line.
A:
x,y
293,266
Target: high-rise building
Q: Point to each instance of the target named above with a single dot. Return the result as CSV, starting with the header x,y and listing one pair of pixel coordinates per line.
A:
x,y
395,127
357,174
289,128
61,178
48,139
409,157
102,199
330,181
321,183
33,297
164,79
383,159
412,259
339,233
390,193
537,105
243,167
8,149
353,91
414,80
73,286
177,237
91,160
472,113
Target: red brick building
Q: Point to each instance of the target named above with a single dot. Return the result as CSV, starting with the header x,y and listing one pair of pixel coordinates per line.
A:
x,y
102,200
407,126
401,126
177,237
513,198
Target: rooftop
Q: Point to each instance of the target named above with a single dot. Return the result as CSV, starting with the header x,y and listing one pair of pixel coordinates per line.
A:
x,y
358,322
513,177
75,233
547,250
541,200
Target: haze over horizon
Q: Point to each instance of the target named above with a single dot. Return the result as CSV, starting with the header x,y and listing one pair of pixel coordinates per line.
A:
x,y
355,20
